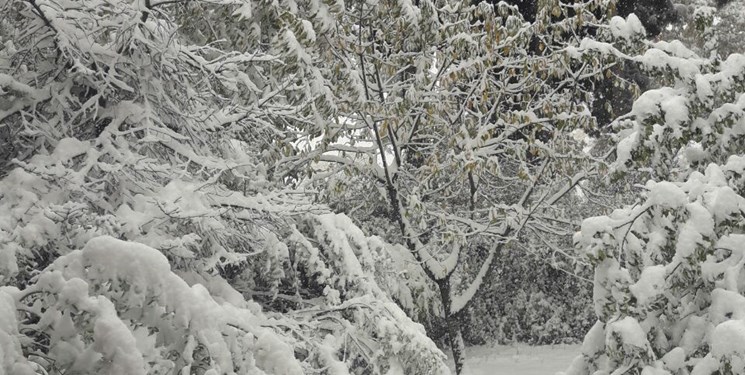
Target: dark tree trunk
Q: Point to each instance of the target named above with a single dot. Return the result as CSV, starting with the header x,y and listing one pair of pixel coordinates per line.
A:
x,y
455,335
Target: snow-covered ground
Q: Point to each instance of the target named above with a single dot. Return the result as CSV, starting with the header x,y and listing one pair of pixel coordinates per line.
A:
x,y
519,359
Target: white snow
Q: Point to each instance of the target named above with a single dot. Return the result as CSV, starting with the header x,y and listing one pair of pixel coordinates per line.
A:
x,y
244,11
699,224
68,148
650,284
728,339
11,355
726,305
594,341
666,194
724,203
675,359
624,148
735,163
706,366
518,359
703,88
626,28
630,331
651,102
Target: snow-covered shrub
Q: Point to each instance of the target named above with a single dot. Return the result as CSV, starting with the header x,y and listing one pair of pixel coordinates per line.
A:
x,y
116,307
669,277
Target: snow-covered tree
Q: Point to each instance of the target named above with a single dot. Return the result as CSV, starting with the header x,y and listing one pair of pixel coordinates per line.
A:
x,y
669,269
142,230
456,130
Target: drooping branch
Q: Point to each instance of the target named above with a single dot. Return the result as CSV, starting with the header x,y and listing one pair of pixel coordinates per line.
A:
x,y
40,13
460,302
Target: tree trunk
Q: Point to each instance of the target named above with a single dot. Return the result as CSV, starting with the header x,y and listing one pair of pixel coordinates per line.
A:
x,y
455,336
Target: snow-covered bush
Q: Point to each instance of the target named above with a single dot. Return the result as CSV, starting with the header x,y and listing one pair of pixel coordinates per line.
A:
x,y
116,307
669,274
